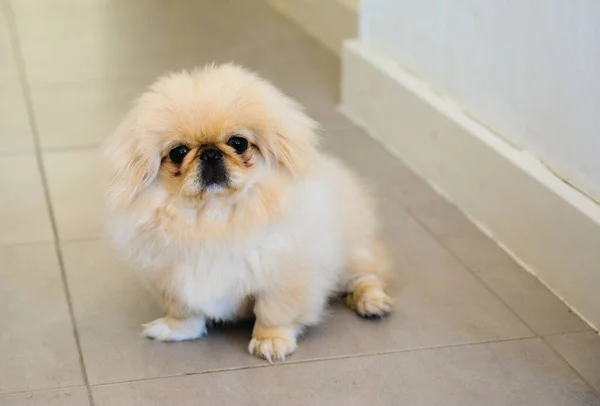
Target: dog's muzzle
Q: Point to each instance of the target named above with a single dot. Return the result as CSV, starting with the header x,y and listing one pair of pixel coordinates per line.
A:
x,y
212,168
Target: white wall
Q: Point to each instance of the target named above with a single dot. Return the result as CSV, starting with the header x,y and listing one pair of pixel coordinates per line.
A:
x,y
528,69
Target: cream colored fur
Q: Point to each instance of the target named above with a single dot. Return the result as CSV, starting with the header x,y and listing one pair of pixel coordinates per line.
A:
x,y
293,228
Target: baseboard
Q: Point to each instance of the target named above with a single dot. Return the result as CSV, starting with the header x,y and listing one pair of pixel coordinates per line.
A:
x,y
328,21
549,227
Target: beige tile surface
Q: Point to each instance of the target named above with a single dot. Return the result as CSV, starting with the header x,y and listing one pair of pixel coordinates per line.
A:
x,y
454,230
109,43
514,373
476,251
64,397
440,303
24,215
15,133
582,351
76,192
382,173
82,113
9,72
532,301
113,40
37,346
172,38
24,8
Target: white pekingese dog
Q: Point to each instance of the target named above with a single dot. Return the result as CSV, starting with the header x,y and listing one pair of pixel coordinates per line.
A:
x,y
218,194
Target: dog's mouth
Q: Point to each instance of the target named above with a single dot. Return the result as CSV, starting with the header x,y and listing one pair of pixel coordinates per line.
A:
x,y
213,173
213,177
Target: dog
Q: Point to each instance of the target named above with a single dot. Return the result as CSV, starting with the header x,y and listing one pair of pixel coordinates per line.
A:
x,y
219,195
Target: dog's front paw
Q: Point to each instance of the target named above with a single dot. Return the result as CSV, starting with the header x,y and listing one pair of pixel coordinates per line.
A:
x,y
273,347
172,329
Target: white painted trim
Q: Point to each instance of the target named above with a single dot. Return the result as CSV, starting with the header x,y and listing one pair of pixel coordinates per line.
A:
x,y
328,21
544,223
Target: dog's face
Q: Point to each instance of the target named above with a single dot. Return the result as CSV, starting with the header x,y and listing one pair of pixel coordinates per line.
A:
x,y
213,132
218,160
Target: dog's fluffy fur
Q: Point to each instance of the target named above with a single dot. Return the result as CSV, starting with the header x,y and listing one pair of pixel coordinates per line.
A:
x,y
282,230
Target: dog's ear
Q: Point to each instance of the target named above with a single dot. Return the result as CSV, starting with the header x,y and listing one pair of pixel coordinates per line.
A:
x,y
132,162
294,152
293,142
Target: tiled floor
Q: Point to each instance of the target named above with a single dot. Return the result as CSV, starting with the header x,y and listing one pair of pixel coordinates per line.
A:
x,y
471,327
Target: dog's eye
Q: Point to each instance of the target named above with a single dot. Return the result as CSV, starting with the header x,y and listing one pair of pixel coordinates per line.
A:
x,y
239,144
178,153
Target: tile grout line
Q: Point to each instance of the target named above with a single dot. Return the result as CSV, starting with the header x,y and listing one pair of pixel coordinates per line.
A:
x,y
286,363
590,330
317,360
46,242
282,364
43,390
26,243
489,289
26,90
73,148
53,149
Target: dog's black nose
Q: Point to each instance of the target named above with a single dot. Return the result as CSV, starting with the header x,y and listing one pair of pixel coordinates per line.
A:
x,y
211,155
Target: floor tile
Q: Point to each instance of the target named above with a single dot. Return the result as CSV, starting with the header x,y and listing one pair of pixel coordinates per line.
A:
x,y
83,113
64,397
257,37
477,251
514,373
22,8
109,43
532,301
582,351
367,158
440,303
442,218
9,73
24,215
455,231
38,347
76,192
121,40
15,133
